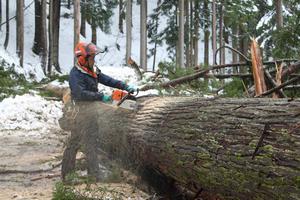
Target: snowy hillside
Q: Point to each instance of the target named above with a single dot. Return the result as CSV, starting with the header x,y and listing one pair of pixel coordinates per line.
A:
x,y
113,57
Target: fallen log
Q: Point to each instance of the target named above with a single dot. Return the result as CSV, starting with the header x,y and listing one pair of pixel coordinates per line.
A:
x,y
235,148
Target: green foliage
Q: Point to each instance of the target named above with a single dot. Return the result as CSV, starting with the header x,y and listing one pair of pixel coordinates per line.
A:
x,y
99,12
12,83
62,192
234,89
170,70
67,192
195,87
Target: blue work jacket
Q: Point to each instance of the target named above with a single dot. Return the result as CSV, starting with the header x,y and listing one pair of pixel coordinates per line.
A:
x,y
84,87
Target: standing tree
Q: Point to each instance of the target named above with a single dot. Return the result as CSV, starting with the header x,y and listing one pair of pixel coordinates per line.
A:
x,y
50,38
40,36
195,38
98,14
54,20
181,35
55,29
214,30
38,27
7,24
121,15
83,18
187,30
76,22
279,17
44,35
128,29
221,31
143,43
69,4
0,13
206,32
20,30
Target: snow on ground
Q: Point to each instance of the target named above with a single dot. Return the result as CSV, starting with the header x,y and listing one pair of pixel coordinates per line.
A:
x,y
29,112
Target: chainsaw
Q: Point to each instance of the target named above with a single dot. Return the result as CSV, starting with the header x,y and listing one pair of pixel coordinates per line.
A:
x,y
124,99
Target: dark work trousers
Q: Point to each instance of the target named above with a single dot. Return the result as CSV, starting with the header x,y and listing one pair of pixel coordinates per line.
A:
x,y
84,135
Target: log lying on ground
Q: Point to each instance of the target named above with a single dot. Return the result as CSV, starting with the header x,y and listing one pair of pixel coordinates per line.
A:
x,y
236,148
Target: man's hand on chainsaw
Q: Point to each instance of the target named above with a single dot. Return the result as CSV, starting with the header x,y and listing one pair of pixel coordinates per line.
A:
x,y
131,89
106,98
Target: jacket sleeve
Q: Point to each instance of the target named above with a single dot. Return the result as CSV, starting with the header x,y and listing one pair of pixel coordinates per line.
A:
x,y
79,92
111,82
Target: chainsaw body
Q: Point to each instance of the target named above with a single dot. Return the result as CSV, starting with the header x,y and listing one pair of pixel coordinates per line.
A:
x,y
124,100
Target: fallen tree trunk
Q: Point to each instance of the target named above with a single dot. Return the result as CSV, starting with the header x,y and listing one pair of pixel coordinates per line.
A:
x,y
236,148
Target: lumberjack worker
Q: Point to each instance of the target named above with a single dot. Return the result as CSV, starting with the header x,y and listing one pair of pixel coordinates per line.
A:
x,y
83,81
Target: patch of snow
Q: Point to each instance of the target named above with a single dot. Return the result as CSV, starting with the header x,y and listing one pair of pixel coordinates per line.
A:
x,y
265,19
29,112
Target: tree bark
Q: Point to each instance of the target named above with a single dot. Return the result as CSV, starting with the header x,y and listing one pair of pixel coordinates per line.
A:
x,y
121,16
0,13
128,28
181,35
187,29
214,30
94,32
38,27
236,148
43,41
279,17
196,34
7,25
55,39
76,23
83,18
206,33
20,31
143,42
50,39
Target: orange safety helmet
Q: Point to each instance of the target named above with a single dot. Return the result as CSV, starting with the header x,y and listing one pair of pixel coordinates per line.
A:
x,y
83,51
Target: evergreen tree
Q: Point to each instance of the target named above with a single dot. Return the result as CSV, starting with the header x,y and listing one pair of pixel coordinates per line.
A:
x,y
99,12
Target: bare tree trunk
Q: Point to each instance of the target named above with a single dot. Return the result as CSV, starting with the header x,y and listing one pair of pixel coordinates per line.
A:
x,y
44,35
206,33
196,34
0,13
76,23
121,16
187,29
251,148
143,42
279,17
192,33
38,27
128,29
20,30
7,24
83,18
69,4
50,36
181,35
94,32
221,41
55,36
214,30
234,45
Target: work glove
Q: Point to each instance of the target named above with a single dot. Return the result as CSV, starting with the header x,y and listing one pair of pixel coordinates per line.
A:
x,y
106,98
130,89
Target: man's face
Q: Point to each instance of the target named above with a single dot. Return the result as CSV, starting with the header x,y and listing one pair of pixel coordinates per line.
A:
x,y
91,61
